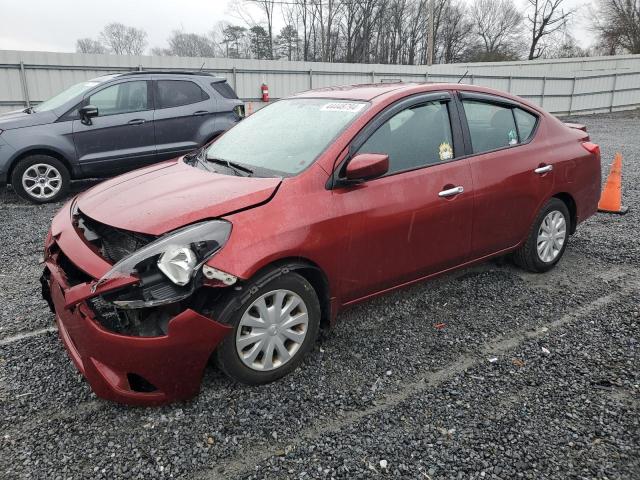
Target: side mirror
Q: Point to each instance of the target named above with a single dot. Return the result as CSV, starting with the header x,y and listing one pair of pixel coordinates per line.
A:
x,y
366,166
87,113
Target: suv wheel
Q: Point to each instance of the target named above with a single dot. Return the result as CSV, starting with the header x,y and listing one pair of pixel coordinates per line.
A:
x,y
274,327
40,179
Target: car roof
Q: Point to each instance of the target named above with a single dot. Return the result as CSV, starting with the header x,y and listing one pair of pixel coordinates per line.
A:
x,y
366,91
381,91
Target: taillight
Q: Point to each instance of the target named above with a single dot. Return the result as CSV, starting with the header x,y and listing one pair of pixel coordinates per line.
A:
x,y
239,111
592,148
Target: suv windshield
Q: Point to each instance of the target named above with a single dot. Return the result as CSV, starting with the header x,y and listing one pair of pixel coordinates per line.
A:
x,y
68,94
287,136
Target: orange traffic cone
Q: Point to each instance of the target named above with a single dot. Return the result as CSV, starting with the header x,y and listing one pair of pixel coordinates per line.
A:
x,y
611,198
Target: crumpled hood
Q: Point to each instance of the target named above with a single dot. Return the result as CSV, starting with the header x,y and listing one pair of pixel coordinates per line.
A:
x,y
157,199
19,119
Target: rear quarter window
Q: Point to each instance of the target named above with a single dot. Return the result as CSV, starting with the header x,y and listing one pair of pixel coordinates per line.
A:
x,y
526,123
224,89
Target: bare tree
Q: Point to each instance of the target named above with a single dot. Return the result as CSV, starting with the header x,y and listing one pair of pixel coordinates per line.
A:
x,y
498,25
184,44
452,38
123,40
89,45
617,23
234,39
545,18
267,7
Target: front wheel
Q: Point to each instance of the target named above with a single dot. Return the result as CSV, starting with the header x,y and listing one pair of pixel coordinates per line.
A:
x,y
273,329
40,179
547,238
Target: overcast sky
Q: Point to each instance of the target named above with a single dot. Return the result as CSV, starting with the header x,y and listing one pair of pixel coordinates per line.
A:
x,y
55,25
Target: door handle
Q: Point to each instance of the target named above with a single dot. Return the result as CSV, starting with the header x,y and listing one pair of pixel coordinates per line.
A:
x,y
451,192
545,169
137,121
200,112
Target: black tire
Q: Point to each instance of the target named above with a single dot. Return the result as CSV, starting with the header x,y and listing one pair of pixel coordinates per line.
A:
x,y
527,256
24,165
231,310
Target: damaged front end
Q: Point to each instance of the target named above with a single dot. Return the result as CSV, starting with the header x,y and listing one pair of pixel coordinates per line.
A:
x,y
133,310
168,268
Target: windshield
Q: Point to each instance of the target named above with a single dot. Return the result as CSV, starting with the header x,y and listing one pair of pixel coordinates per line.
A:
x,y
68,94
287,136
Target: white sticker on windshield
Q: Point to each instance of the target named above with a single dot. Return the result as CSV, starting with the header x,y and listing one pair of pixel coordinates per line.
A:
x,y
342,107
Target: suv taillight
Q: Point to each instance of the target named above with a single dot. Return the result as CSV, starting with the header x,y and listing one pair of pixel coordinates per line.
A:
x,y
239,111
592,148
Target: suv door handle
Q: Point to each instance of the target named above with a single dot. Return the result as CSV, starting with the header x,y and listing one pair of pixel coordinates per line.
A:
x,y
451,192
137,121
544,169
200,112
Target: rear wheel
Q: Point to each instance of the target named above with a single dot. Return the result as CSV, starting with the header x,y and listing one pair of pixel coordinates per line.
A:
x,y
547,238
273,329
40,179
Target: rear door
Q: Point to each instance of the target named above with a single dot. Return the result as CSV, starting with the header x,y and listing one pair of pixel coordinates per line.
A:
x,y
183,117
121,137
508,162
416,220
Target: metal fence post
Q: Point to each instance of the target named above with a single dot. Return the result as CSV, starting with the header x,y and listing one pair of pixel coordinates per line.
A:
x,y
573,90
25,87
471,78
509,86
310,79
234,75
373,77
544,87
613,91
426,76
140,68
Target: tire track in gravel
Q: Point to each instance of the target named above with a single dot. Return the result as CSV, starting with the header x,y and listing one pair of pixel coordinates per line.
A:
x,y
258,453
22,336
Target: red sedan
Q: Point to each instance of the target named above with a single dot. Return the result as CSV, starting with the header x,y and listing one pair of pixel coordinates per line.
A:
x,y
242,251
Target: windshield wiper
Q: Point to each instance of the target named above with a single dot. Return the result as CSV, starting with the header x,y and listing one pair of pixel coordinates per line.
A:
x,y
236,167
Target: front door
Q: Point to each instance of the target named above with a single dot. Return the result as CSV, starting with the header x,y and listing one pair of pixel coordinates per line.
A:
x,y
121,137
416,220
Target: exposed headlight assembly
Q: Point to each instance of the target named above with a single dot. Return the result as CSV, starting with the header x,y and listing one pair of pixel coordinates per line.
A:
x,y
178,255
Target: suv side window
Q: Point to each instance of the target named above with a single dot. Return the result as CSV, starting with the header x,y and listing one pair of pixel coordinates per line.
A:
x,y
124,97
224,89
491,126
413,138
175,93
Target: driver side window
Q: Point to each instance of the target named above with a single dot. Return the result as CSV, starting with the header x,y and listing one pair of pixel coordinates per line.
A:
x,y
413,138
121,98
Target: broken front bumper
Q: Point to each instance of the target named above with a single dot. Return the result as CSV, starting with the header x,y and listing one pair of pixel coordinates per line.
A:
x,y
126,369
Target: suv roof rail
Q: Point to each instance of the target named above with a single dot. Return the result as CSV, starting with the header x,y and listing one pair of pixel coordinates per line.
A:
x,y
168,72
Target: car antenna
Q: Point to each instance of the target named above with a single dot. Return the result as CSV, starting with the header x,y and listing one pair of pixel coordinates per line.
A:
x,y
202,66
462,77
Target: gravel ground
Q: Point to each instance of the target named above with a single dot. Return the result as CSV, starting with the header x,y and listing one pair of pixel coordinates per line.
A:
x,y
532,376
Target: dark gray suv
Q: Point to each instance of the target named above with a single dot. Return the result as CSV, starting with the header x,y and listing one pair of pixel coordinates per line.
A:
x,y
110,125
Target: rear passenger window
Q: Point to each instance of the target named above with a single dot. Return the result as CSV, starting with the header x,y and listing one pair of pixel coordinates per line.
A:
x,y
526,123
174,93
224,89
414,137
491,126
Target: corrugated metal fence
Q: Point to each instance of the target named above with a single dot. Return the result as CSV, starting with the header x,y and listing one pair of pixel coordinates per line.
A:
x,y
584,85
